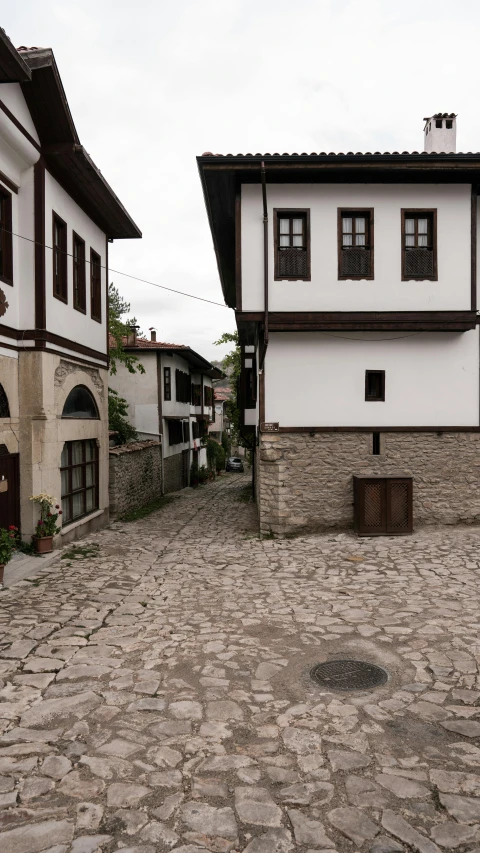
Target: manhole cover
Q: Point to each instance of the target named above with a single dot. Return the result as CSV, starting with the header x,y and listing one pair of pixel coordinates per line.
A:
x,y
348,674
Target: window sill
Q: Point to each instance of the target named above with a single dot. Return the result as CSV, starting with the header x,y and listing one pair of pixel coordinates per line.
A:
x,y
81,310
292,278
63,299
78,521
420,278
97,319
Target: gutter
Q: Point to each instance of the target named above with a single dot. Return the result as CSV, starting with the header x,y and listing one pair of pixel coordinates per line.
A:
x,y
265,263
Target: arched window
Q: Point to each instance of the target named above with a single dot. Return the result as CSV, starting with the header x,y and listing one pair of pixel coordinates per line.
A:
x,y
80,404
4,407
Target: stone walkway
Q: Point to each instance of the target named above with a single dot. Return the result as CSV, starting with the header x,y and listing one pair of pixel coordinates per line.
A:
x,y
155,692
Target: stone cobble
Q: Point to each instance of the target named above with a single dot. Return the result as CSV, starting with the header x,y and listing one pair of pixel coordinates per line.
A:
x,y
155,691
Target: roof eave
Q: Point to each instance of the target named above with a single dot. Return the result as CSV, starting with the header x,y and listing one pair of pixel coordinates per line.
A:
x,y
13,68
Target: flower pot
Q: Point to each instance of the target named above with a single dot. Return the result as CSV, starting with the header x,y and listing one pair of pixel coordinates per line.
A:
x,y
44,544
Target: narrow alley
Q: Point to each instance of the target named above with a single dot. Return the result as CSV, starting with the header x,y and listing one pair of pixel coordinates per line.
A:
x,y
156,691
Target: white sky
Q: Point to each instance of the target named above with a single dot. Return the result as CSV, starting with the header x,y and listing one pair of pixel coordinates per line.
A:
x,y
151,84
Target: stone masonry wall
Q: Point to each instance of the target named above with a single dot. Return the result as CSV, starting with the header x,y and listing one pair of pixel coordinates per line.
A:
x,y
305,482
135,476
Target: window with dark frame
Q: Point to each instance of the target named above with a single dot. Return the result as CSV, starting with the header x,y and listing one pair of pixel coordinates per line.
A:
x,y
6,237
355,244
375,385
167,383
376,444
79,283
292,244
79,477
183,391
96,286
59,242
196,395
419,245
176,432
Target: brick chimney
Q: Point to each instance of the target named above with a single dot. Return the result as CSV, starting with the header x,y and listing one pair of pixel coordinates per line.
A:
x,y
132,336
440,133
153,334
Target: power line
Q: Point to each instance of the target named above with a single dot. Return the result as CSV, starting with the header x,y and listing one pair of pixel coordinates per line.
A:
x,y
119,272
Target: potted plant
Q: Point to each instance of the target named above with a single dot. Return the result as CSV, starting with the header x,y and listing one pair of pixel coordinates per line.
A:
x,y
8,543
46,527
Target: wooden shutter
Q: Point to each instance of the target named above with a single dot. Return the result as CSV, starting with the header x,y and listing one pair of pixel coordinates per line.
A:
x,y
383,505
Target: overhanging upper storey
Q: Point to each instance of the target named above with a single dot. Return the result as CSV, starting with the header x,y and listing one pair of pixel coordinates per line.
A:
x,y
390,234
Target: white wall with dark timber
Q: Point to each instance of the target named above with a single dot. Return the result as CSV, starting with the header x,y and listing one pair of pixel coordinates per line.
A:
x,y
12,96
172,408
387,292
140,392
63,319
314,379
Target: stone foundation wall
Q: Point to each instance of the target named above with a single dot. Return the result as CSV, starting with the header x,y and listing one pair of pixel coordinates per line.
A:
x,y
305,482
173,467
135,476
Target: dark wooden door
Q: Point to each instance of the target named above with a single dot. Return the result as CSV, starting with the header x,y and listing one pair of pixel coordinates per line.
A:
x,y
372,507
383,505
9,490
185,468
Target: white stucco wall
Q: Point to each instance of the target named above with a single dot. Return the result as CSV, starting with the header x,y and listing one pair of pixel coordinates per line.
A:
x,y
141,393
12,96
387,292
431,379
62,319
170,408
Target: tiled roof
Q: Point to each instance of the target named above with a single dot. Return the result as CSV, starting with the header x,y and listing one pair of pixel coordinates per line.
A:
x,y
143,343
346,154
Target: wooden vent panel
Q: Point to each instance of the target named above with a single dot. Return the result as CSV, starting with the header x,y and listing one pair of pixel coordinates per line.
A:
x,y
419,262
292,262
356,262
383,505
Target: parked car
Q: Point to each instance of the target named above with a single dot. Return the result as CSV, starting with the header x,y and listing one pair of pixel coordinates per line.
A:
x,y
234,464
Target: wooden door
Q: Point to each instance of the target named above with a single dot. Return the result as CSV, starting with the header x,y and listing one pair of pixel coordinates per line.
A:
x,y
371,498
383,505
9,490
399,506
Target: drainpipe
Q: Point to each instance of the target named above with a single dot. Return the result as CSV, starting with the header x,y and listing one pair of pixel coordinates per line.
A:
x,y
265,263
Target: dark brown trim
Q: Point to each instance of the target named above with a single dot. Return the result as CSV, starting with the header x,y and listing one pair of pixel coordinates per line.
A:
x,y
381,397
160,392
65,355
474,248
202,393
107,333
362,429
95,286
39,251
8,183
317,321
77,239
238,249
304,211
261,394
371,242
62,250
9,346
432,212
19,126
6,237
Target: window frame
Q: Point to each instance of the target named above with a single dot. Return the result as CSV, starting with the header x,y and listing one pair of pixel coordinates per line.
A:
x,y
282,213
61,252
6,237
167,386
78,265
95,298
381,398
368,213
418,213
84,488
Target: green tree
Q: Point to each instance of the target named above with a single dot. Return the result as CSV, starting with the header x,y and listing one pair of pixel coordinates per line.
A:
x,y
232,364
118,329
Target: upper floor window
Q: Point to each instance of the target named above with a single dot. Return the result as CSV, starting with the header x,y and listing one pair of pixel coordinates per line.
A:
x,y
183,391
292,244
196,395
79,288
355,244
96,286
6,254
208,395
60,258
419,245
167,383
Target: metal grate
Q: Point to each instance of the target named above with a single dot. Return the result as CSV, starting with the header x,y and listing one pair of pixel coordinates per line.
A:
x,y
292,262
398,507
373,504
355,261
418,262
4,407
349,675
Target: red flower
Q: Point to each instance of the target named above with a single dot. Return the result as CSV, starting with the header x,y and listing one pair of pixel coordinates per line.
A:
x,y
57,506
60,513
40,522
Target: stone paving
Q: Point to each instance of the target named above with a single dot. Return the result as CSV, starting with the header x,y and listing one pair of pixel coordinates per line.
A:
x,y
155,691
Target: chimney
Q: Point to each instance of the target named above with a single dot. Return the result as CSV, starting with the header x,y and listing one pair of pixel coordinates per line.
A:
x,y
132,336
440,133
153,334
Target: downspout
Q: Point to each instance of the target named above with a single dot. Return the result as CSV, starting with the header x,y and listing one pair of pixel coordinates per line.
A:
x,y
265,263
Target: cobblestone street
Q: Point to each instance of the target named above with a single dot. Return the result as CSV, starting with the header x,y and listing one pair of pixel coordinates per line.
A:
x,y
155,690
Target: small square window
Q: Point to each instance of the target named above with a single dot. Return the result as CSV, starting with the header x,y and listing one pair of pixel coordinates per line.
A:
x,y
449,123
438,123
374,385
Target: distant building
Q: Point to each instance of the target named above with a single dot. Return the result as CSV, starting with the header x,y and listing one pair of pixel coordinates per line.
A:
x,y
172,401
57,217
221,424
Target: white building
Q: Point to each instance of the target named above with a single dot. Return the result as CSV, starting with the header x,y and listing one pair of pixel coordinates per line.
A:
x,y
57,217
172,401
354,281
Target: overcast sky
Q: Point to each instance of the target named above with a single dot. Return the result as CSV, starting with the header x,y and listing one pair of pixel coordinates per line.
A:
x,y
151,84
